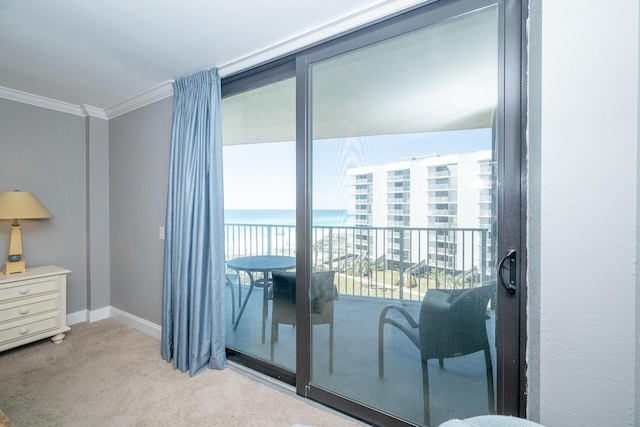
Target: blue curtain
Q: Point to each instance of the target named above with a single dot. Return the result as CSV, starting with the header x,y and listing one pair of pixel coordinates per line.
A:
x,y
193,324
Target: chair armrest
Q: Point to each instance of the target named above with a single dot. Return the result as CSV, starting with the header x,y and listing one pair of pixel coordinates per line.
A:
x,y
410,331
401,310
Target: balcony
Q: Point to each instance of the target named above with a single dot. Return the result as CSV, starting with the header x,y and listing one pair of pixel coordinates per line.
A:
x,y
398,176
392,199
358,255
440,174
396,265
363,189
363,199
367,281
443,212
444,199
363,210
458,388
441,186
391,188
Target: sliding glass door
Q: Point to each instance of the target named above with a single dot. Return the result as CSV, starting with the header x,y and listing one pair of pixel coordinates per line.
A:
x,y
258,116
404,132
373,200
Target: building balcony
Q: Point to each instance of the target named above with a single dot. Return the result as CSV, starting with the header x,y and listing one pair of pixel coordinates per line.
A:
x,y
363,211
363,188
398,188
447,199
442,212
439,174
394,177
374,267
441,187
458,388
362,179
397,200
398,212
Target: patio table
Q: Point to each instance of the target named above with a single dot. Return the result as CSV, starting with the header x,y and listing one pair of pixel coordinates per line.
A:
x,y
264,264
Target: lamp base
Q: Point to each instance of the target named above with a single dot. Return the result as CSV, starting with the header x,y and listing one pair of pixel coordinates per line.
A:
x,y
15,267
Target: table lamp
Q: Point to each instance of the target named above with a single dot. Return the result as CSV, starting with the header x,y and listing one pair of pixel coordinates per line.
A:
x,y
15,205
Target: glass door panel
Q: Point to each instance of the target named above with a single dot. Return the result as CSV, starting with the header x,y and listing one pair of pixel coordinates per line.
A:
x,y
258,132
403,223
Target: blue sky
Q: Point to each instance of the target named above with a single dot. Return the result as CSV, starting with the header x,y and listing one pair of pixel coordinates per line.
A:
x,y
262,176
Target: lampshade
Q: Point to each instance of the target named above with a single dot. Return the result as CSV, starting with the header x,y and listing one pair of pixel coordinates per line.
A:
x,y
21,205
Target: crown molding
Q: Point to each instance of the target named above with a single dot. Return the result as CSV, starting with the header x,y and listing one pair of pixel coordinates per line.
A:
x,y
145,98
150,96
96,112
331,30
40,101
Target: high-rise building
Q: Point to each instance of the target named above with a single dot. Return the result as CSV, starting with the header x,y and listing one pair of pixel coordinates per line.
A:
x,y
432,211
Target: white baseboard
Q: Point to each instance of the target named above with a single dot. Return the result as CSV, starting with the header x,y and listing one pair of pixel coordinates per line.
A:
x,y
77,317
136,322
88,315
99,314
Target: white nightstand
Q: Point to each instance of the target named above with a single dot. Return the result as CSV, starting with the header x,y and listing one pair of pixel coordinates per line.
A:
x,y
33,306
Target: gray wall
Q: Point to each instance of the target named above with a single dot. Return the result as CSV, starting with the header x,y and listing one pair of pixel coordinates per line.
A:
x,y
139,163
98,262
43,151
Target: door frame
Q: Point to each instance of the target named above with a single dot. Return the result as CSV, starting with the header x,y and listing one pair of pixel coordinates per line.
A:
x,y
511,327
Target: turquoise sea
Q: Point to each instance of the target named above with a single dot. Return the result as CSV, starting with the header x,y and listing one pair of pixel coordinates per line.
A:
x,y
321,217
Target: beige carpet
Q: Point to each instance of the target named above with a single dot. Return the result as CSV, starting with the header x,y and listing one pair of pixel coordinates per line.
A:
x,y
107,374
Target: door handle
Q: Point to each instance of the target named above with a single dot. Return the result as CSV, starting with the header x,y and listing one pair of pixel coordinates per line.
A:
x,y
510,284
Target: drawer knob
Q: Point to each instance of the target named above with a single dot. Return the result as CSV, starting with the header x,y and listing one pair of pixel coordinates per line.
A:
x,y
24,291
24,331
24,310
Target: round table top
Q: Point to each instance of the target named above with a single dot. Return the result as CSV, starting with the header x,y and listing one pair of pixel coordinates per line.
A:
x,y
262,263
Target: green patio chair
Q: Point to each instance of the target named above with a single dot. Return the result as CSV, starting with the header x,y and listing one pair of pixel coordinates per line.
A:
x,y
322,294
452,323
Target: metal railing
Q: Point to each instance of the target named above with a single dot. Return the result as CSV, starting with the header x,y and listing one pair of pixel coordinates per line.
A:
x,y
399,263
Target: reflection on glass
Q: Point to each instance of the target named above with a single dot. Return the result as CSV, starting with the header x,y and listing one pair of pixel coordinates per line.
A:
x,y
403,159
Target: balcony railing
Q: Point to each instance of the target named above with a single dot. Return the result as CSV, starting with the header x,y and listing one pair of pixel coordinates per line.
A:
x,y
398,176
446,186
397,200
380,262
439,174
452,198
404,211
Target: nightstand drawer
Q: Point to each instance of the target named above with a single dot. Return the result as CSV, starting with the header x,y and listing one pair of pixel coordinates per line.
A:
x,y
21,329
26,288
29,307
33,306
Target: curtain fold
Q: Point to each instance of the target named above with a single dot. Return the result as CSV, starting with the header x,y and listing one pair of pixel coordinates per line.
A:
x,y
193,324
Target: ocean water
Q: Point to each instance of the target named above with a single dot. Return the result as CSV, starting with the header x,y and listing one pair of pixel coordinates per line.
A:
x,y
321,217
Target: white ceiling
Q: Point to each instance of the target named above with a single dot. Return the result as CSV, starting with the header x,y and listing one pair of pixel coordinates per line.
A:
x,y
101,53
